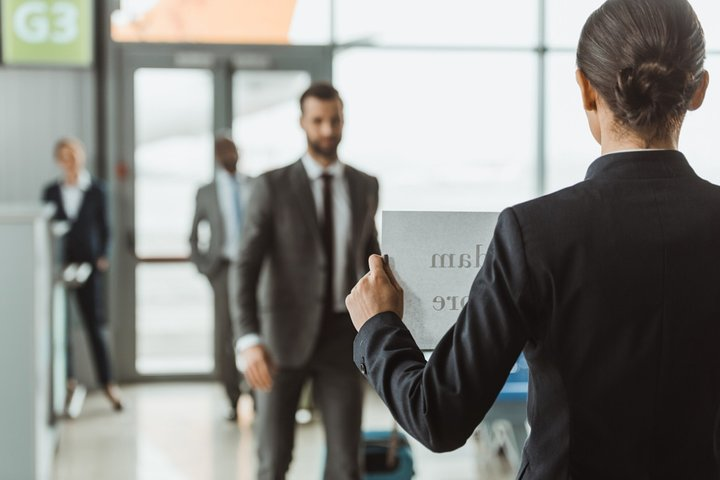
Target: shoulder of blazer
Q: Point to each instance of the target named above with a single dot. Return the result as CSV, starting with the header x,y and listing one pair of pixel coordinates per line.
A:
x,y
51,194
355,174
282,174
561,200
98,185
207,189
51,191
296,166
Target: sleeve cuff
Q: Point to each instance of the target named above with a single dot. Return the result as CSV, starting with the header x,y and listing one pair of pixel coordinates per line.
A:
x,y
242,344
247,341
364,336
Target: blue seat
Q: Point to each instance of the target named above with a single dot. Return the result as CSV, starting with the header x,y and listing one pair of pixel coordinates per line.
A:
x,y
516,385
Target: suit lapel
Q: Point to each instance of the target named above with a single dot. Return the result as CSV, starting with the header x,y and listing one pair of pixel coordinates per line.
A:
x,y
84,202
214,204
300,184
60,214
357,204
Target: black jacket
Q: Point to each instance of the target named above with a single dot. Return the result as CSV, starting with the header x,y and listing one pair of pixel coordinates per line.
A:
x,y
611,288
89,234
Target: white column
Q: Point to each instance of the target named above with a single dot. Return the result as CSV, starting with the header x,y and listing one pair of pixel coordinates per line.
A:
x,y
26,437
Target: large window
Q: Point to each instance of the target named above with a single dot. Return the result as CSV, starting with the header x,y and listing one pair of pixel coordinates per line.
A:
x,y
265,110
467,105
700,128
438,128
570,148
564,20
448,22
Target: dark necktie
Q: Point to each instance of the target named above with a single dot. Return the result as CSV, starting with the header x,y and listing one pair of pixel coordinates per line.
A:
x,y
328,235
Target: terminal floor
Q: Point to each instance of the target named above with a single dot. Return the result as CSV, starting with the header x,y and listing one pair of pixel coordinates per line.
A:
x,y
177,431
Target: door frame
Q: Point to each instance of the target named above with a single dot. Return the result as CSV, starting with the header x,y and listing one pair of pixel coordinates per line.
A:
x,y
118,105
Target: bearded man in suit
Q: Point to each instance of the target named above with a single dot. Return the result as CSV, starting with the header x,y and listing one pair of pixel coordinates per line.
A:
x,y
309,229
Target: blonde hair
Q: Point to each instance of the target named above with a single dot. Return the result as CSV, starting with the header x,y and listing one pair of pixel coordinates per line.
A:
x,y
71,142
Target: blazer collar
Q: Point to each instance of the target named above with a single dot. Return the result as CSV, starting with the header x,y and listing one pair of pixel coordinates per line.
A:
x,y
301,187
358,202
60,212
314,170
640,164
84,181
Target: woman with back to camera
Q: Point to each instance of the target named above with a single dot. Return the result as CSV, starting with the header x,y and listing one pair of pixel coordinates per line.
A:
x,y
610,287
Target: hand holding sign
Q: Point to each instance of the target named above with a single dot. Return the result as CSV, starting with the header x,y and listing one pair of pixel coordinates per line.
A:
x,y
376,292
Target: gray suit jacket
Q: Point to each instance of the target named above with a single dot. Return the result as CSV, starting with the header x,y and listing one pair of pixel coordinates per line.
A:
x,y
208,255
278,282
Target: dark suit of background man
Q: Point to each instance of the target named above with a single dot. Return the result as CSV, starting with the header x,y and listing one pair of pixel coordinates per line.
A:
x,y
219,205
309,229
80,201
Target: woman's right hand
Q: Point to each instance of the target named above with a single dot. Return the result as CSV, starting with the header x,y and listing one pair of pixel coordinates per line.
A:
x,y
259,367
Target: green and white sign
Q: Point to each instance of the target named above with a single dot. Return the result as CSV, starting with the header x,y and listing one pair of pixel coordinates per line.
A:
x,y
47,32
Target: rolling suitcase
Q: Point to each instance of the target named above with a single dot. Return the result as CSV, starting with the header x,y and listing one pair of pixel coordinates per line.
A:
x,y
387,455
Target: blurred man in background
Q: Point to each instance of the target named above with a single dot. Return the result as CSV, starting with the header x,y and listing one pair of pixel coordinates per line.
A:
x,y
214,244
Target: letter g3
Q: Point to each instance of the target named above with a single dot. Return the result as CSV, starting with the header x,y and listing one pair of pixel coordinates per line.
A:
x,y
34,24
31,22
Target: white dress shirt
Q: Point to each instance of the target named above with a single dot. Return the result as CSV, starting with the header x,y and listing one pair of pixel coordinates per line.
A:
x,y
72,195
342,223
232,223
342,220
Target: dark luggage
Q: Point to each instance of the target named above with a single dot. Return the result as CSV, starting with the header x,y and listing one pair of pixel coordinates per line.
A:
x,y
387,455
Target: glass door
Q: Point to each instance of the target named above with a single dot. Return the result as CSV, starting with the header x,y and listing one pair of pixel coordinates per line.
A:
x,y
173,157
180,100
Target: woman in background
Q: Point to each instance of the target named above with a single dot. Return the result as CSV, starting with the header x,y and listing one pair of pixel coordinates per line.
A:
x,y
80,200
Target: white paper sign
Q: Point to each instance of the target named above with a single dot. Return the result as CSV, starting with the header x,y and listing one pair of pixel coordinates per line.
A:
x,y
435,257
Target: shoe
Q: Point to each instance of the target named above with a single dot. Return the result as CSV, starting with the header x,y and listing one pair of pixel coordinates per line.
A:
x,y
75,399
232,415
113,394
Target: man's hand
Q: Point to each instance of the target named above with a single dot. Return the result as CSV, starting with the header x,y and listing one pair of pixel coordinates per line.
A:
x,y
102,264
259,367
376,292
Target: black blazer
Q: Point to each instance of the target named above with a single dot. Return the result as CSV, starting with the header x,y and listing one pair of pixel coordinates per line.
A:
x,y
611,288
89,234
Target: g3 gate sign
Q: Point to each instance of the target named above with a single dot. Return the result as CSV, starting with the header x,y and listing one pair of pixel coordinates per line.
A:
x,y
47,32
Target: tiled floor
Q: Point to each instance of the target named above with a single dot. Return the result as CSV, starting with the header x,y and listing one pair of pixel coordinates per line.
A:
x,y
177,432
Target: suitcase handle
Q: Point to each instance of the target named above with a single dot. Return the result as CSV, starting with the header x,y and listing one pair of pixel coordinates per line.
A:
x,y
391,457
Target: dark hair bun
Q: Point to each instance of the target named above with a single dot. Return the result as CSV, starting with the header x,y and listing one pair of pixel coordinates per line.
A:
x,y
644,58
651,93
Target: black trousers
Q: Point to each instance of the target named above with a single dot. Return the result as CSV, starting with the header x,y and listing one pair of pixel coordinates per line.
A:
x,y
224,348
89,298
